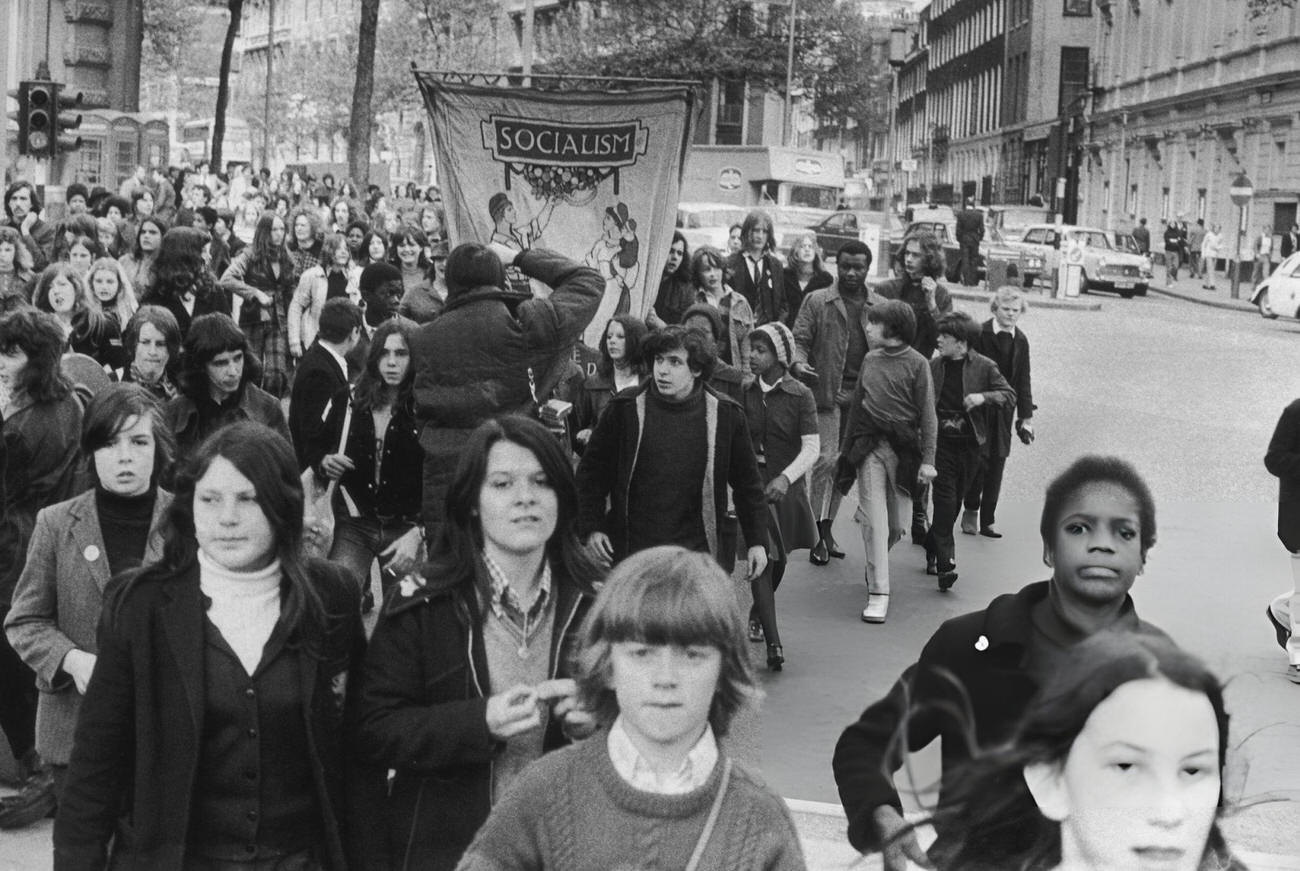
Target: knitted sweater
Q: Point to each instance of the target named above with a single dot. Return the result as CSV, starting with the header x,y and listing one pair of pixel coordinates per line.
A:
x,y
571,811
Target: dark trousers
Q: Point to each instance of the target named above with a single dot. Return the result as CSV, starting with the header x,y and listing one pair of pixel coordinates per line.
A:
x,y
956,461
17,697
970,252
985,488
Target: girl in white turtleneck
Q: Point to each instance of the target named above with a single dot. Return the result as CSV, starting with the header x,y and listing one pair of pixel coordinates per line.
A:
x,y
240,648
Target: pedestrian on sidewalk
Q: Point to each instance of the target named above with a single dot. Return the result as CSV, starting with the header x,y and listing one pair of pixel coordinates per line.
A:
x,y
1119,760
1142,236
970,230
964,383
1283,460
1211,247
1173,248
663,669
1098,524
1263,249
889,441
1003,342
1195,239
1290,241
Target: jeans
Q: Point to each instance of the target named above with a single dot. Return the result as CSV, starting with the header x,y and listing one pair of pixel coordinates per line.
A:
x,y
358,541
883,511
1262,267
956,461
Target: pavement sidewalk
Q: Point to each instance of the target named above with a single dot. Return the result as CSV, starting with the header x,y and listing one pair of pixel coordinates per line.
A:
x,y
1189,289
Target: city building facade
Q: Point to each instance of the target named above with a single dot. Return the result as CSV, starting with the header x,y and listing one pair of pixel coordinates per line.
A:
x,y
1180,112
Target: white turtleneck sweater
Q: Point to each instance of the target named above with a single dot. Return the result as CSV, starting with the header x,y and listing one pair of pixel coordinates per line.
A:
x,y
245,606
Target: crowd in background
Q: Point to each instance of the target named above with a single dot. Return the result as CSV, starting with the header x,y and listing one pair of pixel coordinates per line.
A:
x,y
551,545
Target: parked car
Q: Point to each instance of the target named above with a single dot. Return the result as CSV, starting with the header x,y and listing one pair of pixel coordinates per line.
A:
x,y
1012,221
999,244
1126,242
1104,267
839,227
1279,294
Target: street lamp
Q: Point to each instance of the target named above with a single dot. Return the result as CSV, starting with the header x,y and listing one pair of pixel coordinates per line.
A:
x,y
1241,192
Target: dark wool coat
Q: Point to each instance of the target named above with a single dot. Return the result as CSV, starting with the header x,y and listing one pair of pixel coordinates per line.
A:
x,y
794,297
605,473
136,753
398,492
1283,460
192,425
471,362
317,378
420,708
42,466
910,291
985,652
978,375
1001,417
767,299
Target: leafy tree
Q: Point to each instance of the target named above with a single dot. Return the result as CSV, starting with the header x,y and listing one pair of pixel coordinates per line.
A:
x,y
1260,8
703,40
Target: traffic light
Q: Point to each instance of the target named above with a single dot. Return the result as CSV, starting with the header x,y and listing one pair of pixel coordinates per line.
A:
x,y
65,120
41,119
38,113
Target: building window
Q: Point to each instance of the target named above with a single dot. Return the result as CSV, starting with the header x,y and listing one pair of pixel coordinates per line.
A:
x,y
1074,80
1078,7
90,170
729,129
1164,204
1200,204
125,161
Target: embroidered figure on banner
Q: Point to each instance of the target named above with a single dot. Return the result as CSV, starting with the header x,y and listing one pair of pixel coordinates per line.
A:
x,y
616,256
506,231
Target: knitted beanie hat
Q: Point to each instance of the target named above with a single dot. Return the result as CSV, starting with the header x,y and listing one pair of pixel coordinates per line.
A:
x,y
704,310
781,339
376,275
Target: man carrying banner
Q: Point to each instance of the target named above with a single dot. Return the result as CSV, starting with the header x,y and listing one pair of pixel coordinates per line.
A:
x,y
492,351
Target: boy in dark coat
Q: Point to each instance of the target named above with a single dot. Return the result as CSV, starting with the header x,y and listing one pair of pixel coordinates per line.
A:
x,y
322,372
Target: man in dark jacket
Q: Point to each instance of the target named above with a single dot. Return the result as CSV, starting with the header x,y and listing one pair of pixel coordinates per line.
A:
x,y
1005,344
970,230
755,272
1173,237
322,372
23,213
978,672
662,458
493,351
1142,236
964,382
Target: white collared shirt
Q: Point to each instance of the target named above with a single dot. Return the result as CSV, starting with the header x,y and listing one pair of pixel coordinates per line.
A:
x,y
338,358
998,328
639,774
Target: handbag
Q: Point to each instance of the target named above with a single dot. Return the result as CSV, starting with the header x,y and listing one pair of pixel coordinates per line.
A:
x,y
318,502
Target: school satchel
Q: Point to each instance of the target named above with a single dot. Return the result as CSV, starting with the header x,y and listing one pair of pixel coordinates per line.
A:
x,y
318,502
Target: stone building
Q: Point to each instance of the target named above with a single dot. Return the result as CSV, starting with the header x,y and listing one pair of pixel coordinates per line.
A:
x,y
1180,111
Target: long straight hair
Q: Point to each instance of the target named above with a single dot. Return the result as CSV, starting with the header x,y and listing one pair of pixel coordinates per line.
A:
x,y
371,389
456,550
265,458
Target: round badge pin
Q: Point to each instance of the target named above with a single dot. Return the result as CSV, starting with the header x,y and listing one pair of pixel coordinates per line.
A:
x,y
982,643
92,553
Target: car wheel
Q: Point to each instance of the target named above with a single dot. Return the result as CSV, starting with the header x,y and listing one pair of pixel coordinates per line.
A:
x,y
1127,294
1141,290
1264,308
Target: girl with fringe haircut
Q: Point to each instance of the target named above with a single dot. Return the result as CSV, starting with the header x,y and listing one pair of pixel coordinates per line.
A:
x,y
231,611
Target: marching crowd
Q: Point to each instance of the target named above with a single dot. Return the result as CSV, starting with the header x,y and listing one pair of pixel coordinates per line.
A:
x,y
184,567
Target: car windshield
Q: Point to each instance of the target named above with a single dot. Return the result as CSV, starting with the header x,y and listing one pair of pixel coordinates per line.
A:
x,y
1092,239
1125,242
1015,219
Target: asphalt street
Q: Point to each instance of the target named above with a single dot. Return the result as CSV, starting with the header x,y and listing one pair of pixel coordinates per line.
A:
x,y
1190,395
